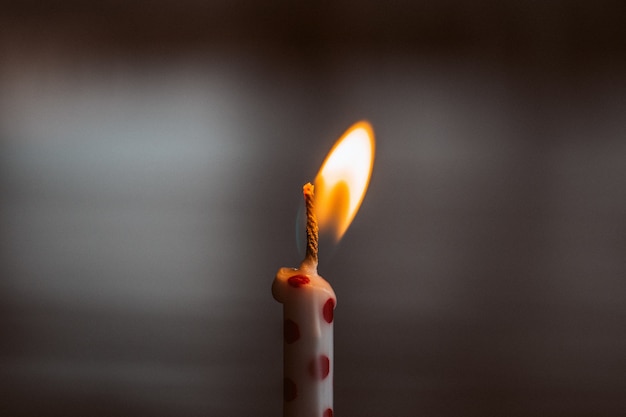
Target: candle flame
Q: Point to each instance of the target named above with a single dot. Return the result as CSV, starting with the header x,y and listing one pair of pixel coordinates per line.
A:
x,y
342,181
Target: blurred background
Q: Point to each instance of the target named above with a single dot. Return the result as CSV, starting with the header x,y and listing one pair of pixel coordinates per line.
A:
x,y
152,156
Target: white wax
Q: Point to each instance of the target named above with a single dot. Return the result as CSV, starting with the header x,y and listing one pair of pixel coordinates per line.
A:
x,y
308,346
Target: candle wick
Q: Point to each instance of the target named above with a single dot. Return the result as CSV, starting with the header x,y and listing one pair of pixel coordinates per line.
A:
x,y
312,230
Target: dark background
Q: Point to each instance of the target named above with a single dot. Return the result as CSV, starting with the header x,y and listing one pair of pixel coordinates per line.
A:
x,y
152,156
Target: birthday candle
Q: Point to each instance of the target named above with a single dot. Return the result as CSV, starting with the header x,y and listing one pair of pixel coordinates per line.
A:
x,y
308,300
308,310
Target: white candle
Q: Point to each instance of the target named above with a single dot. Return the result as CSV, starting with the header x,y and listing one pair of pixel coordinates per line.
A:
x,y
308,300
308,311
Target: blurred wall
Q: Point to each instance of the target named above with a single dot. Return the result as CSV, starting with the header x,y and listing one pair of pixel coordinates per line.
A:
x,y
151,161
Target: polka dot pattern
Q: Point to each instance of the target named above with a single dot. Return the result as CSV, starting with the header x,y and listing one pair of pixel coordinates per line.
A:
x,y
298,281
307,336
320,368
329,310
290,390
291,331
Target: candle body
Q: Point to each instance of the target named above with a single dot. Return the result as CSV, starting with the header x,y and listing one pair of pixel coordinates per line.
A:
x,y
308,308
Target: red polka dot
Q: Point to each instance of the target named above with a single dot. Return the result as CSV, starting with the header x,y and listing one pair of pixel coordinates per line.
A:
x,y
298,280
328,310
320,367
291,331
290,390
328,412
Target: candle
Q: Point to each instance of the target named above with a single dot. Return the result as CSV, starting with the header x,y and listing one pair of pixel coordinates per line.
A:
x,y
308,308
308,300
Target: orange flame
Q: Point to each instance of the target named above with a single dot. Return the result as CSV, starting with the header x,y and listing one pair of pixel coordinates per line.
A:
x,y
343,178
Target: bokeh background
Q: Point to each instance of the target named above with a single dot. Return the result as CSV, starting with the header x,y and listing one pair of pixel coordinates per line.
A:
x,y
151,160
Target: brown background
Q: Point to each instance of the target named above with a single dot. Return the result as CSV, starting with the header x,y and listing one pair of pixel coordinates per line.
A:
x,y
151,159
